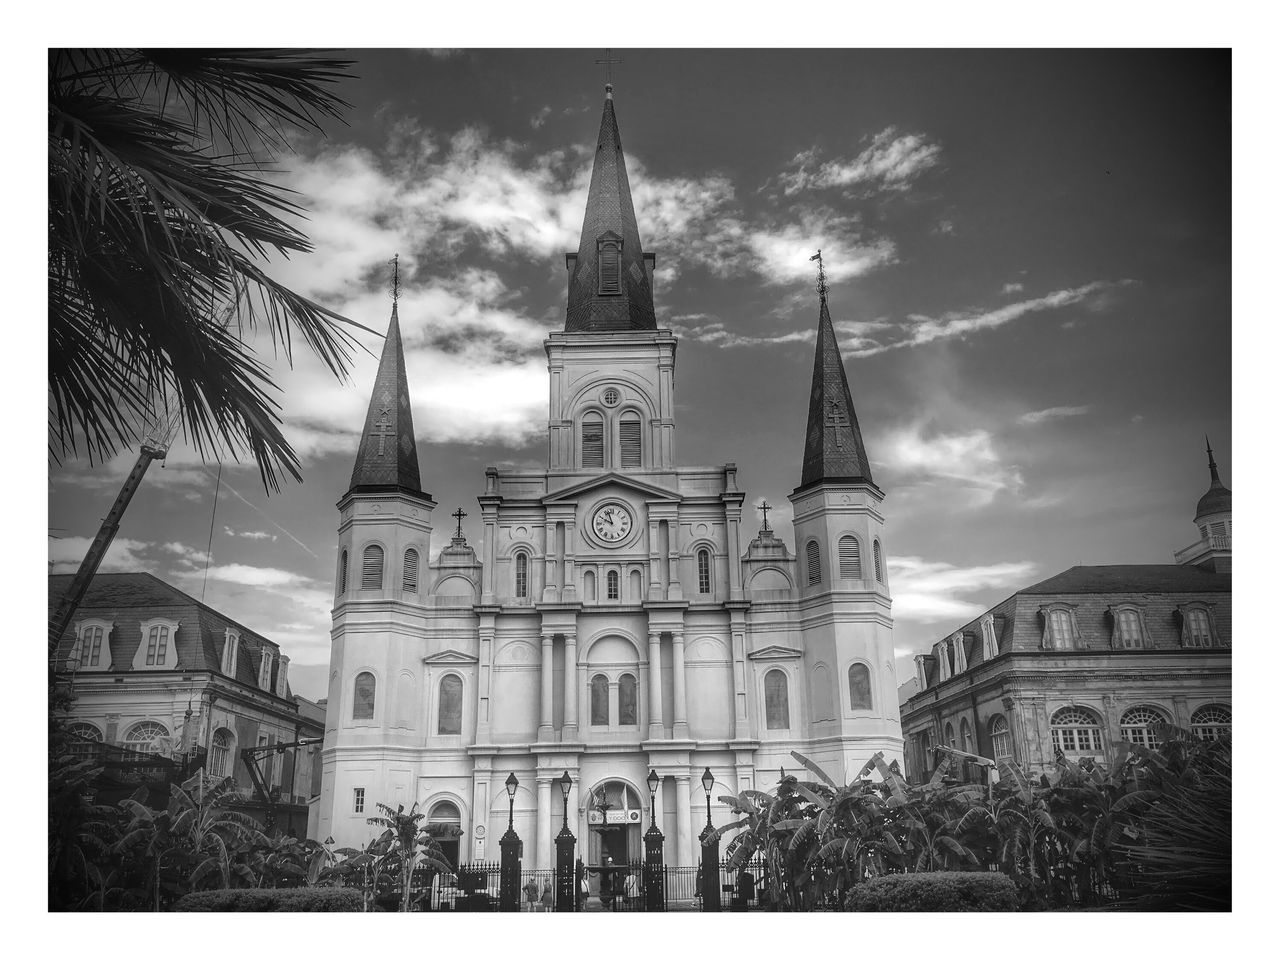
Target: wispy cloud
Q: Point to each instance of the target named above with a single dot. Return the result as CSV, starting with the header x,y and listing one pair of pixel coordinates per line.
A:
x,y
539,118
1053,413
929,591
1009,288
920,454
891,161
124,555
249,534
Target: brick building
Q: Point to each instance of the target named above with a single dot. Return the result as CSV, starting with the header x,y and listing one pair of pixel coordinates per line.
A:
x,y
1084,659
163,684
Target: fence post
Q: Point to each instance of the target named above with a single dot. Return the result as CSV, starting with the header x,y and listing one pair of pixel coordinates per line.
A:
x,y
512,848
566,888
654,888
710,867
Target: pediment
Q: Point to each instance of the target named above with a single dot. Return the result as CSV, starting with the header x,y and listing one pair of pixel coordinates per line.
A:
x,y
776,651
450,657
648,490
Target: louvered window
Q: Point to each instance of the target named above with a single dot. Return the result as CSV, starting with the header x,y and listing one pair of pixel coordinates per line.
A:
x,y
411,571
813,563
371,571
522,575
610,269
342,574
157,646
850,559
592,443
878,561
704,571
629,441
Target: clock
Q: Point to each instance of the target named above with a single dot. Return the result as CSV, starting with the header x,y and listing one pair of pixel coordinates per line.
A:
x,y
611,522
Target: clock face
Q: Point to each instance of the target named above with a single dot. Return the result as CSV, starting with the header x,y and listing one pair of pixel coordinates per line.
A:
x,y
611,523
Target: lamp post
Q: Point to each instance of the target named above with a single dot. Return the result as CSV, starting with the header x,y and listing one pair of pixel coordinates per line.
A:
x,y
512,848
710,853
653,898
566,894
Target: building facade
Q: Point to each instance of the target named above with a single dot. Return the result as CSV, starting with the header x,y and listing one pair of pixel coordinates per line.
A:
x,y
1084,660
162,684
617,617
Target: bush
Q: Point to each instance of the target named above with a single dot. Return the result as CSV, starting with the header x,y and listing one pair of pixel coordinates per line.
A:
x,y
306,899
935,892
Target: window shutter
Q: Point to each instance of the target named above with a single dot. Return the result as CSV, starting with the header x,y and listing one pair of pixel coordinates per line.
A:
x,y
850,559
342,574
371,574
813,562
610,269
411,571
629,439
593,444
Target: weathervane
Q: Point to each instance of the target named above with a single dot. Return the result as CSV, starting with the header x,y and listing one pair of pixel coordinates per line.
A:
x,y
608,62
765,508
395,279
822,277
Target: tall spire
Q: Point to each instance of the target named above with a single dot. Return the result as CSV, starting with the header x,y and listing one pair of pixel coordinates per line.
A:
x,y
1217,499
609,283
833,449
388,455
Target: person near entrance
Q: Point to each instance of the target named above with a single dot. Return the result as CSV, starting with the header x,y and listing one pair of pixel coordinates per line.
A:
x,y
531,893
606,884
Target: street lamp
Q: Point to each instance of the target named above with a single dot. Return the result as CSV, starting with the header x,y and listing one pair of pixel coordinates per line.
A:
x,y
566,784
710,853
566,885
653,790
653,874
708,781
512,785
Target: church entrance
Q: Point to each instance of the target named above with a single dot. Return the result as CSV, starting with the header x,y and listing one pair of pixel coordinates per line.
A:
x,y
614,841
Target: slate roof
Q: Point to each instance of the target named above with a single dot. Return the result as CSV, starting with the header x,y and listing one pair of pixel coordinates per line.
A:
x,y
1133,578
609,211
833,448
388,455
128,599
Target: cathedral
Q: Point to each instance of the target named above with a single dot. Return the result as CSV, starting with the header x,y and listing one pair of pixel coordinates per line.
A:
x,y
617,618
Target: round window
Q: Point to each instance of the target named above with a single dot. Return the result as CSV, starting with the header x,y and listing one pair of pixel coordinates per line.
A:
x,y
610,397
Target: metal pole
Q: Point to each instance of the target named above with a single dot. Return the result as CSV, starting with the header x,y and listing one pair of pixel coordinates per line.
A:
x,y
710,865
566,892
512,848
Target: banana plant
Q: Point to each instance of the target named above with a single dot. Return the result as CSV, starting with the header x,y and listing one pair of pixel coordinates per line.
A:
x,y
409,842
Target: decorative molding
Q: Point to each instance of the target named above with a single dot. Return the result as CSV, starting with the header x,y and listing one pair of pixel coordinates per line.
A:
x,y
451,656
776,651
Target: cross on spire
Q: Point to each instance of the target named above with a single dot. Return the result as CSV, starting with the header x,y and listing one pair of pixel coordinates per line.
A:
x,y
765,508
836,418
822,277
382,429
608,62
458,515
395,279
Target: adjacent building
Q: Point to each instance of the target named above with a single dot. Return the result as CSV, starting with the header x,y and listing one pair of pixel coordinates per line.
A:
x,y
1085,659
163,685
618,617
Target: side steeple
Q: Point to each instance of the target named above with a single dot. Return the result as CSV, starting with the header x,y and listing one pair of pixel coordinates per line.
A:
x,y
610,277
833,448
388,455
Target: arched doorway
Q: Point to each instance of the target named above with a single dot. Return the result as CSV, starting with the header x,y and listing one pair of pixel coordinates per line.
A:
x,y
615,823
447,812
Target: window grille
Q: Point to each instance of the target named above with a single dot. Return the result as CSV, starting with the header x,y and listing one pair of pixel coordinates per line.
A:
x,y
704,571
1137,725
612,581
364,696
1001,738
627,700
629,441
610,269
813,563
777,710
1211,722
450,705
610,397
592,443
371,571
410,571
850,559
1076,731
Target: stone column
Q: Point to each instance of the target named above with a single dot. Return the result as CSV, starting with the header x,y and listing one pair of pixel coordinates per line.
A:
x,y
570,592
487,634
544,823
545,732
570,730
655,581
680,728
684,822
655,685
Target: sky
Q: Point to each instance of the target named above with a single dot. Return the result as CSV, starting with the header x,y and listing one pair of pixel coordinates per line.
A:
x,y
1029,259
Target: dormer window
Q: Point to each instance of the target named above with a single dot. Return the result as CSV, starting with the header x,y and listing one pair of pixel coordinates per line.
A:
x,y
1128,631
610,261
264,670
156,650
230,651
1197,625
990,645
91,649
1060,631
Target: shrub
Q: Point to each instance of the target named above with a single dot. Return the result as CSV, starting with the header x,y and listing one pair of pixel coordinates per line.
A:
x,y
308,899
935,892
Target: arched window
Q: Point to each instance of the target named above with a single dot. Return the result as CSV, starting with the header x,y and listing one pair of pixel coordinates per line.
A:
x,y
1076,730
599,700
1211,722
522,575
450,722
610,268
704,571
949,735
1196,628
859,687
86,741
629,441
611,580
879,561
1059,627
371,572
850,559
342,573
410,571
1128,629
966,736
592,441
627,700
363,700
219,753
813,562
1001,738
1137,725
146,738
777,711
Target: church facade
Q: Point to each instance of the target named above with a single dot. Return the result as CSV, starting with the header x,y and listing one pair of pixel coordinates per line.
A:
x,y
618,617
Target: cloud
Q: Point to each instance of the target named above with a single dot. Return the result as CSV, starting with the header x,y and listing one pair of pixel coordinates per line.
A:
x,y
1053,413
250,576
250,534
928,591
891,162
918,454
782,253
1009,288
123,556
539,118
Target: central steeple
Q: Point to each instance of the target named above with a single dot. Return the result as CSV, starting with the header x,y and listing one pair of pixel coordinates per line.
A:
x,y
610,278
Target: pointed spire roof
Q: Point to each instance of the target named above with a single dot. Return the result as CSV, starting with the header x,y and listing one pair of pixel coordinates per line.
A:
x,y
388,455
610,218
1217,498
833,449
